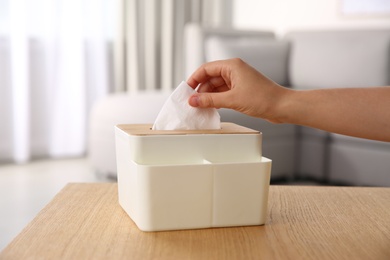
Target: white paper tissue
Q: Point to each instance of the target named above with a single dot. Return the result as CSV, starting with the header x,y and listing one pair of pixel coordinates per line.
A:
x,y
177,114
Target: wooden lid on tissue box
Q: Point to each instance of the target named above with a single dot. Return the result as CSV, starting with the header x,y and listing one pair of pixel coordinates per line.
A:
x,y
146,129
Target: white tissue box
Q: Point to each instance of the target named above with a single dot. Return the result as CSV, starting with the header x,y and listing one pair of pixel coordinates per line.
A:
x,y
187,179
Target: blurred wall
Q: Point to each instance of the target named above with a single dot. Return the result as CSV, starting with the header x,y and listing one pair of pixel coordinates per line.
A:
x,y
284,15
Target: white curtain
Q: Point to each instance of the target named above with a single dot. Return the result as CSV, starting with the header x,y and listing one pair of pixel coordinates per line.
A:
x,y
55,61
153,31
58,56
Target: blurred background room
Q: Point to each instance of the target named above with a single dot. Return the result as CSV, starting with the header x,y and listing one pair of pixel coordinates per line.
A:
x,y
72,69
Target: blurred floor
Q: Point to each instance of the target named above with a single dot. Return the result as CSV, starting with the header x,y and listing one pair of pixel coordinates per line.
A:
x,y
25,189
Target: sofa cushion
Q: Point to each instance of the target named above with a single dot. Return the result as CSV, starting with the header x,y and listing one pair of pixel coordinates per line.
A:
x,y
344,58
270,56
357,161
278,141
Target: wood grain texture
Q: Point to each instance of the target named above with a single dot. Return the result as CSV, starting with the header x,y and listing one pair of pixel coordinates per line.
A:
x,y
146,129
84,221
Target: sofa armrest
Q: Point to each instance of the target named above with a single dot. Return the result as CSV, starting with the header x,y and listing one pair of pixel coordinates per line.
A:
x,y
140,108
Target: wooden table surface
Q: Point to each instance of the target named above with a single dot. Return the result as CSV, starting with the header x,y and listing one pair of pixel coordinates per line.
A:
x,y
85,221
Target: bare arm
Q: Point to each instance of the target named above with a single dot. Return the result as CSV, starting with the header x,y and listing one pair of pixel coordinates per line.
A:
x,y
359,112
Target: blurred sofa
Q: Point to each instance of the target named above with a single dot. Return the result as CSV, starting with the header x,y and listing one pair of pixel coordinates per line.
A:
x,y
300,60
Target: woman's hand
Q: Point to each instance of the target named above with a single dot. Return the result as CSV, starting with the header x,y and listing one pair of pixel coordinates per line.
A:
x,y
236,85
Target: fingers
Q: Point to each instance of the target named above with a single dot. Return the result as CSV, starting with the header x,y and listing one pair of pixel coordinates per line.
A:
x,y
204,100
213,80
194,101
211,70
209,100
213,85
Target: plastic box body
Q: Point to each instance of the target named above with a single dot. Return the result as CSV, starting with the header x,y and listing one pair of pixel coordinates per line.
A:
x,y
170,180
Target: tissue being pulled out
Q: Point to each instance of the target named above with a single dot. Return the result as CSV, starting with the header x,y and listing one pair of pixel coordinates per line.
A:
x,y
177,114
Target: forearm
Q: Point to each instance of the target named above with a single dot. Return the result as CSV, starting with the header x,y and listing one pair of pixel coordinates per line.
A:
x,y
359,112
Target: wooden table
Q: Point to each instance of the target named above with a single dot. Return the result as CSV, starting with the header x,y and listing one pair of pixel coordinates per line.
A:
x,y
84,221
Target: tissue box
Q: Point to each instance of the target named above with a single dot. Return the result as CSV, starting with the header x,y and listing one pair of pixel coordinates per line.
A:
x,y
188,179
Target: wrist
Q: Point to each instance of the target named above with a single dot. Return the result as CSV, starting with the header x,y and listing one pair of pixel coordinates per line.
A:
x,y
283,106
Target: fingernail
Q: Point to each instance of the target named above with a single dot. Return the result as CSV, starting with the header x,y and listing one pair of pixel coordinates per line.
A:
x,y
194,101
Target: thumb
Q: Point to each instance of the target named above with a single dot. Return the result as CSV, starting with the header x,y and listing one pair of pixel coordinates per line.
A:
x,y
207,100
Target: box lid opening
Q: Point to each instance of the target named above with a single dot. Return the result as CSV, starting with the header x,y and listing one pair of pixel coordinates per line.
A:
x,y
146,129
